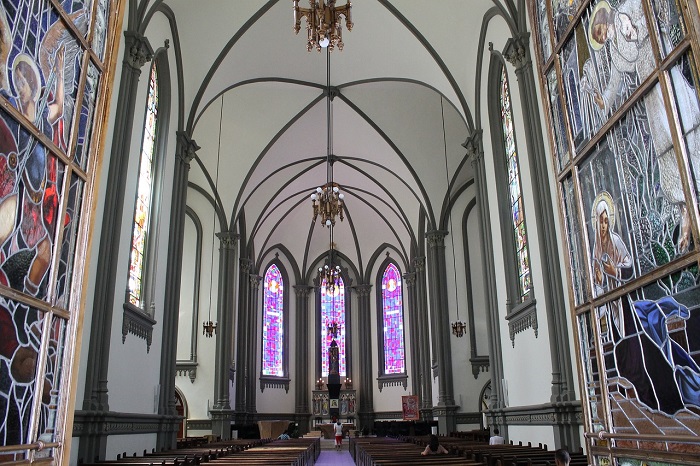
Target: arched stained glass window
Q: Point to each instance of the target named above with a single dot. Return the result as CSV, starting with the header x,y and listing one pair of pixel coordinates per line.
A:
x,y
144,194
515,191
392,317
333,311
273,323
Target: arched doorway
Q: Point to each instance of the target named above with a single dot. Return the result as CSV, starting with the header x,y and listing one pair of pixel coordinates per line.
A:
x,y
181,407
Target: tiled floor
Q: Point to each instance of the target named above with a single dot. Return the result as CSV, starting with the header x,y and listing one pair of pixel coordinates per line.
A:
x,y
330,457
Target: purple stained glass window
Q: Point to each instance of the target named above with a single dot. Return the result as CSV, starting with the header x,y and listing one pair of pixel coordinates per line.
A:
x,y
516,201
392,317
273,323
142,213
333,310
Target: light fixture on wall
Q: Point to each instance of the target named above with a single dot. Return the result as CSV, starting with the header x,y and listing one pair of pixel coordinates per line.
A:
x,y
209,326
458,327
327,200
323,23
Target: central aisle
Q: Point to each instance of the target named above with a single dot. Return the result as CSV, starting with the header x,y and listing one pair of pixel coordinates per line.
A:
x,y
331,457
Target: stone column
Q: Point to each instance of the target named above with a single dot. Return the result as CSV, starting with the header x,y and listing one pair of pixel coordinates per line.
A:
x,y
242,340
476,153
184,153
301,352
137,52
222,412
251,400
440,325
365,409
409,279
517,52
423,341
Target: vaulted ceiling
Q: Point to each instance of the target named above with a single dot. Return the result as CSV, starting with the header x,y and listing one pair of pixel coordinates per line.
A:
x,y
405,83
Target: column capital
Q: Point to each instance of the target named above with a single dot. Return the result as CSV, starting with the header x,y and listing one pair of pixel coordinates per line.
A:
x,y
245,264
474,148
436,237
419,263
303,291
517,52
138,50
228,239
409,278
363,289
255,281
187,147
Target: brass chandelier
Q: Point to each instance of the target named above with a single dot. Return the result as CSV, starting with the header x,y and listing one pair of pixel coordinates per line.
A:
x,y
323,23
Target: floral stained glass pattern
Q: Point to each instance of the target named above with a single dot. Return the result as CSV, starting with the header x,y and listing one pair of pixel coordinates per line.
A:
x,y
142,211
392,313
273,323
333,311
516,197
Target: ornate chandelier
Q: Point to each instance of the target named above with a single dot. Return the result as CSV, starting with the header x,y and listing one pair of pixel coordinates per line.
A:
x,y
331,275
458,328
328,203
323,23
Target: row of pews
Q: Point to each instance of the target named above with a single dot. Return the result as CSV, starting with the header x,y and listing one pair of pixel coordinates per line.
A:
x,y
292,452
466,448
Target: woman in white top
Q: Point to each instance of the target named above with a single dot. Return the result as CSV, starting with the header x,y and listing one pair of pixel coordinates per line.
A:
x,y
338,435
496,439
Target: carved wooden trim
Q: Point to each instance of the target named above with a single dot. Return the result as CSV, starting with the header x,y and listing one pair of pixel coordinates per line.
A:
x,y
274,382
521,318
393,380
188,368
139,323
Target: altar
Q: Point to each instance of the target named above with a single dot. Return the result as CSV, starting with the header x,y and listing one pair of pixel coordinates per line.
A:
x,y
346,404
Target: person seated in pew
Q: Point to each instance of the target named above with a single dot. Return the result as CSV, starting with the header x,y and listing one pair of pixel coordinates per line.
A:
x,y
284,435
434,447
562,457
495,438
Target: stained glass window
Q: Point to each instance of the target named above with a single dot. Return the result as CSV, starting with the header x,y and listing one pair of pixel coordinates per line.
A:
x,y
392,317
516,195
273,323
142,212
333,311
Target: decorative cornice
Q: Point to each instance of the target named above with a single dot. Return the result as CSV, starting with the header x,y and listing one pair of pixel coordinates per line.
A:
x,y
274,382
137,322
521,318
516,51
187,147
255,281
303,291
198,424
228,239
245,264
548,414
138,50
394,380
188,368
409,279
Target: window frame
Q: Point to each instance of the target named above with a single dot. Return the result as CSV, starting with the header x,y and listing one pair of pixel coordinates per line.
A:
x,y
273,381
383,378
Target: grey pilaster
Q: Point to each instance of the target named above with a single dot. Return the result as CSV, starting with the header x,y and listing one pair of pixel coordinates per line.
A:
x,y
301,353
185,152
423,341
225,307
242,343
440,325
136,53
364,330
475,152
251,401
409,280
517,51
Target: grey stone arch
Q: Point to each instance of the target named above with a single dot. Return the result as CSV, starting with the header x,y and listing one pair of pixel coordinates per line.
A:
x,y
521,313
384,379
140,320
271,381
189,366
347,272
480,363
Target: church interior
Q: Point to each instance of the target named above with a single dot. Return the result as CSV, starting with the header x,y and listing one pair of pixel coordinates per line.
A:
x,y
406,216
